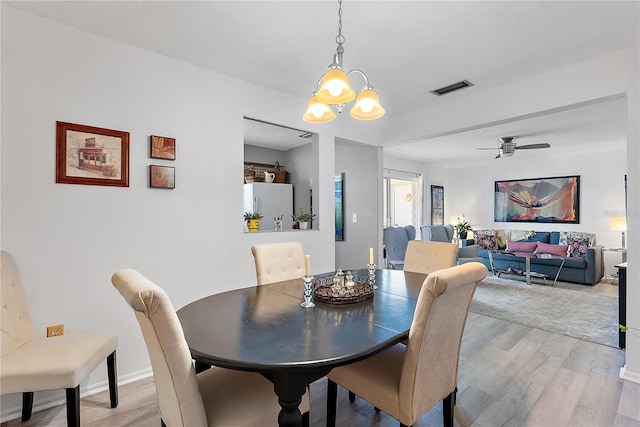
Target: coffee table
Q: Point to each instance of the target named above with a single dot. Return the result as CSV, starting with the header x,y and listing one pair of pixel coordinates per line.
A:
x,y
528,274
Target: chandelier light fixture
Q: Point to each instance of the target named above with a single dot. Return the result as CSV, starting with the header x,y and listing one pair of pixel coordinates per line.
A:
x,y
333,89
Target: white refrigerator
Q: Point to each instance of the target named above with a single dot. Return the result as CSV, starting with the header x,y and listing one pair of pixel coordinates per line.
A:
x,y
271,200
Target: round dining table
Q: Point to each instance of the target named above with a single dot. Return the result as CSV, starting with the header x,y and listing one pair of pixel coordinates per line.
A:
x,y
264,329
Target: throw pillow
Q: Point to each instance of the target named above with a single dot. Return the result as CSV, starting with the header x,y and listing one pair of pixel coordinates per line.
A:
x,y
521,246
490,239
546,248
577,242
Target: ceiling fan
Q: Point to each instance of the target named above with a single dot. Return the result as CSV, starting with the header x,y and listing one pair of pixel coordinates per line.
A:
x,y
508,147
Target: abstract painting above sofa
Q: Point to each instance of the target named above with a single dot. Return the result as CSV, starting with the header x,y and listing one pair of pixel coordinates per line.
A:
x,y
555,199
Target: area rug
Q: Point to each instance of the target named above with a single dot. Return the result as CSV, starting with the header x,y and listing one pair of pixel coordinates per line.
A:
x,y
587,316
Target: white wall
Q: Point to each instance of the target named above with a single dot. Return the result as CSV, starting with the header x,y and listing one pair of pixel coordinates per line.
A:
x,y
617,74
69,239
267,156
470,190
361,189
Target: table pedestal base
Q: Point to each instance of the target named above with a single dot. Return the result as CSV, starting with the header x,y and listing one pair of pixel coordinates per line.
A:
x,y
290,387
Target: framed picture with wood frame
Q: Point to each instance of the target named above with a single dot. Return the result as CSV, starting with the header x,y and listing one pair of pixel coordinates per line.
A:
x,y
162,147
91,155
162,176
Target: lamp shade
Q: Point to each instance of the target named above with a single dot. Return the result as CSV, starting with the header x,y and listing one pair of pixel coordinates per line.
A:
x,y
335,88
367,106
317,112
618,223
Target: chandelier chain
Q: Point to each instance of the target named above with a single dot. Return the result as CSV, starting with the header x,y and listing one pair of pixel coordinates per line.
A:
x,y
340,38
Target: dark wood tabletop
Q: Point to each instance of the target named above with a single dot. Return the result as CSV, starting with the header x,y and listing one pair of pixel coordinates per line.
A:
x,y
264,329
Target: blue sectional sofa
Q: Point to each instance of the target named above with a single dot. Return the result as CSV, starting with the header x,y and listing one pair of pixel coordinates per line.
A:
x,y
584,263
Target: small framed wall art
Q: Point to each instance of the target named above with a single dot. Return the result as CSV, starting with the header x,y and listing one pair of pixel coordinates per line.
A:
x,y
162,147
162,176
437,205
92,156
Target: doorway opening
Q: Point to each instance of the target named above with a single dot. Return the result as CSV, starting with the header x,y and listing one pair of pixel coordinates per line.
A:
x,y
402,198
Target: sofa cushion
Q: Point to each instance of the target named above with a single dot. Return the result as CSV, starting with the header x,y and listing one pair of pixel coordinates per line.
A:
x,y
577,242
546,248
521,246
535,237
469,251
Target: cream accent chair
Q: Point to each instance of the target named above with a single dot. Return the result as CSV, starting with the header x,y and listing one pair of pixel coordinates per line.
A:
x,y
407,381
276,262
29,364
215,397
426,257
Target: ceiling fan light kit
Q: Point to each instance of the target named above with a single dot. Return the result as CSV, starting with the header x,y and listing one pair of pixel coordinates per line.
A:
x,y
333,88
508,147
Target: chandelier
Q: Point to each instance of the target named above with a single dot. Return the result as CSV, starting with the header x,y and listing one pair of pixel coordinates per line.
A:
x,y
333,89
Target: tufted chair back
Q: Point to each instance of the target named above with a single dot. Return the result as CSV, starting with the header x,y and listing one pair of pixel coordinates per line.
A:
x,y
179,397
276,262
430,366
427,257
16,326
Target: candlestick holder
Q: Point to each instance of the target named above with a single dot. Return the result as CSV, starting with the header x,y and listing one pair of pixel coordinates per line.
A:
x,y
308,292
371,268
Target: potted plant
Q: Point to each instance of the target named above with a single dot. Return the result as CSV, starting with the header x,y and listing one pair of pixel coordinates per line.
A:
x,y
462,228
253,221
303,219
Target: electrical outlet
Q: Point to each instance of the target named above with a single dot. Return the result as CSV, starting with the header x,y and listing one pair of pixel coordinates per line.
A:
x,y
55,330
354,218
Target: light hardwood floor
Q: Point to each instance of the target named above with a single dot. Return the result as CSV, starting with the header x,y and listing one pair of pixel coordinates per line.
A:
x,y
509,375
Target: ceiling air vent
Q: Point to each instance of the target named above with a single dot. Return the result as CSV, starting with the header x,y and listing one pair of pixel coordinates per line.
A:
x,y
452,88
305,135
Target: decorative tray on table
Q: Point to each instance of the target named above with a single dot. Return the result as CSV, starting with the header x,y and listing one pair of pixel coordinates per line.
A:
x,y
340,288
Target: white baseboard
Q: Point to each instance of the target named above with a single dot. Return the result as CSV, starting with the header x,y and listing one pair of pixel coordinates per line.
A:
x,y
48,399
629,376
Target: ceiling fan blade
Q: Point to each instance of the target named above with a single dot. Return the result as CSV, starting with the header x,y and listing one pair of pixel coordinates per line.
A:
x,y
498,156
530,146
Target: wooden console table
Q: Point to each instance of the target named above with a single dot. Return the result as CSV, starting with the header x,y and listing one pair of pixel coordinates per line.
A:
x,y
622,301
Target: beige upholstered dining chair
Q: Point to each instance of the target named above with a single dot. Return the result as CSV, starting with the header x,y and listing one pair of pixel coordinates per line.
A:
x,y
426,257
29,364
276,262
407,381
215,397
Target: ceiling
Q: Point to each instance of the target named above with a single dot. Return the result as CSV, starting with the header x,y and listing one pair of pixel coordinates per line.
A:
x,y
406,48
276,137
